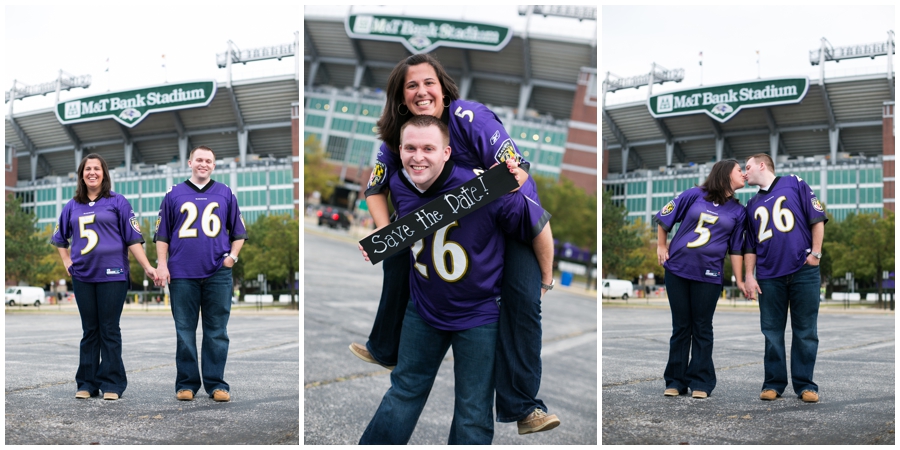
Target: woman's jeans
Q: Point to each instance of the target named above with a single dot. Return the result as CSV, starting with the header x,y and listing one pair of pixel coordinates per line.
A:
x,y
693,304
100,366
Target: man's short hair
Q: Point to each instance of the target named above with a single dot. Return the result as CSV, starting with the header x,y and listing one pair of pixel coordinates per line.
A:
x,y
202,147
766,159
425,121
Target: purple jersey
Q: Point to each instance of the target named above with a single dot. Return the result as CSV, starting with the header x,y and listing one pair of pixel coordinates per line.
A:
x,y
456,273
199,226
707,233
779,226
477,139
102,231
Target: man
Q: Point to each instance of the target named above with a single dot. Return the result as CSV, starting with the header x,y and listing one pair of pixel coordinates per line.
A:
x,y
199,234
786,226
455,287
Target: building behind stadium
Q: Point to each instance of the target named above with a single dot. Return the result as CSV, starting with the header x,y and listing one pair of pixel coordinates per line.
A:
x,y
542,86
835,132
145,134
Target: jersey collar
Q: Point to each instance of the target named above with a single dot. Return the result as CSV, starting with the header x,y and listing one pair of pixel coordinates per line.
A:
x,y
194,186
435,187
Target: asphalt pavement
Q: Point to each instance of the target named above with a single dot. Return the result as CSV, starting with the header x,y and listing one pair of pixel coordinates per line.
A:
x,y
854,371
263,370
341,392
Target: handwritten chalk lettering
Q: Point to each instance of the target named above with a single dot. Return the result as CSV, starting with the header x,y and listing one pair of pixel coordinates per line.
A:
x,y
466,200
393,239
428,219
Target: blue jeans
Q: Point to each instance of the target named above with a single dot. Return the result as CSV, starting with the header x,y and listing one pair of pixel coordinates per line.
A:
x,y
422,348
100,366
519,339
693,304
212,297
798,292
384,340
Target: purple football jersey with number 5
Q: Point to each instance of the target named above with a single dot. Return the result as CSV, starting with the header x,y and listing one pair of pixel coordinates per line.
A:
x,y
708,232
199,226
779,222
100,233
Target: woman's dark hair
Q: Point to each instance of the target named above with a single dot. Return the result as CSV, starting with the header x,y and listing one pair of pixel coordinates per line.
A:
x,y
391,120
81,193
718,183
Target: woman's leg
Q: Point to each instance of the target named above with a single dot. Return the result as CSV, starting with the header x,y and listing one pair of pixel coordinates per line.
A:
x,y
384,340
110,300
679,292
86,378
701,372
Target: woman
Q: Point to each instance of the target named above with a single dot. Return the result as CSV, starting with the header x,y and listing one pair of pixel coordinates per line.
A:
x,y
102,227
419,85
712,226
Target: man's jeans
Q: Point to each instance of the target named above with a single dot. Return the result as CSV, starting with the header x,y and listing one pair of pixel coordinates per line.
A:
x,y
422,348
798,292
100,363
211,297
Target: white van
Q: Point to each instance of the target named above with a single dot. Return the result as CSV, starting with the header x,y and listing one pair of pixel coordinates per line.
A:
x,y
617,289
24,295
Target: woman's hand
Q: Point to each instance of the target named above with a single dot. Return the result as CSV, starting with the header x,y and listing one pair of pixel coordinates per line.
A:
x,y
662,254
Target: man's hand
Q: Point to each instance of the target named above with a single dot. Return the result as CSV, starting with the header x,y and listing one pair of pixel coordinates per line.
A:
x,y
751,288
812,260
162,276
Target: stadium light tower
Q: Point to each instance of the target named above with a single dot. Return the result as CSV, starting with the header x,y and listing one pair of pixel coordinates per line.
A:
x,y
63,82
826,52
658,74
258,54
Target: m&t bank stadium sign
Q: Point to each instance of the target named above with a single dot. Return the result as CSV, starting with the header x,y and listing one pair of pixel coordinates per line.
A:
x,y
424,35
131,107
723,102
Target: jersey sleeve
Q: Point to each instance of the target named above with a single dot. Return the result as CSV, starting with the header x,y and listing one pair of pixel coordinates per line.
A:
x,y
521,217
486,136
63,230
674,211
129,228
162,231
812,207
235,220
750,238
736,241
386,164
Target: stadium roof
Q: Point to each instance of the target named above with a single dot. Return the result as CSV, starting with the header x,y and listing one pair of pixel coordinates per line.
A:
x,y
853,104
540,70
261,106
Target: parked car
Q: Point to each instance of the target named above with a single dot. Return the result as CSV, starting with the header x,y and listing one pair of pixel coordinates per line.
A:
x,y
334,216
617,288
24,295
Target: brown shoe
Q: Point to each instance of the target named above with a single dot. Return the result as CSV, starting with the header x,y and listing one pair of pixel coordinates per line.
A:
x,y
362,353
537,421
185,395
110,396
82,394
768,394
221,396
671,393
698,394
809,397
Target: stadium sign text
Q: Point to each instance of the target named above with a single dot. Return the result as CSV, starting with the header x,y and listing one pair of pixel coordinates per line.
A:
x,y
439,213
723,102
420,35
131,107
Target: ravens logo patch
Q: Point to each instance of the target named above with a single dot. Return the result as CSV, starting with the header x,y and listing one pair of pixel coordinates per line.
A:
x,y
377,174
668,208
507,150
817,205
158,220
134,224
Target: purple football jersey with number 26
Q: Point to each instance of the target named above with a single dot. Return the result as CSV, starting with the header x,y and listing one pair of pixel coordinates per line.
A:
x,y
199,226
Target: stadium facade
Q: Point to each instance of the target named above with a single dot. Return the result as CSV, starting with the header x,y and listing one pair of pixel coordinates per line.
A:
x,y
838,136
252,125
542,87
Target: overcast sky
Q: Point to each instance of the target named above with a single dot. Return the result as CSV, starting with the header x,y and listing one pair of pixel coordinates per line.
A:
x,y
634,37
41,40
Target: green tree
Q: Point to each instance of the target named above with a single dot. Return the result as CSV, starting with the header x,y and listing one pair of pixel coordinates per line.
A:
x,y
137,272
574,211
273,250
26,249
643,256
865,247
317,175
620,239
57,271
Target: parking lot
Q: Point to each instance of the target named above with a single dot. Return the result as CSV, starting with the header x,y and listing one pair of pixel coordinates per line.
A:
x,y
41,354
341,392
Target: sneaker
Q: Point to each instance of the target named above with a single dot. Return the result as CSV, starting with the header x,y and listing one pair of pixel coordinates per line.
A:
x,y
537,421
809,397
110,396
221,396
698,394
185,394
671,393
768,394
82,394
362,353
